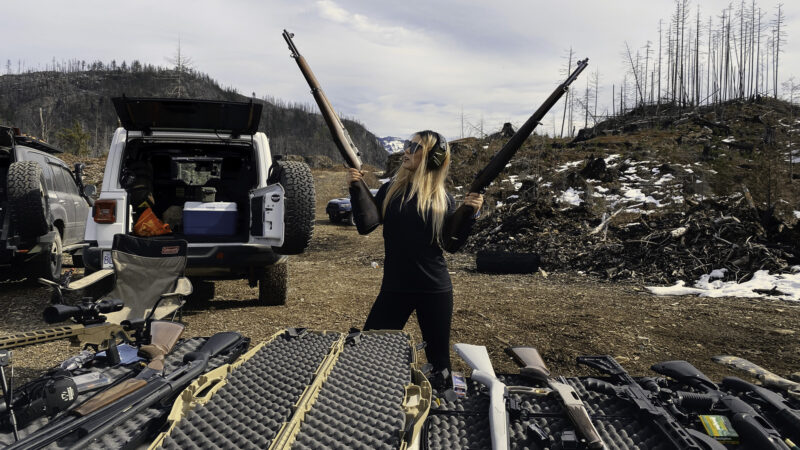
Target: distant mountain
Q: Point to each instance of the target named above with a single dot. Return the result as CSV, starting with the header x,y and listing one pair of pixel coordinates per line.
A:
x,y
45,103
392,144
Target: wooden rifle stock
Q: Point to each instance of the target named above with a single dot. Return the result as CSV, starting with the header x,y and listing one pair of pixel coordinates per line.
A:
x,y
366,215
163,337
531,362
501,159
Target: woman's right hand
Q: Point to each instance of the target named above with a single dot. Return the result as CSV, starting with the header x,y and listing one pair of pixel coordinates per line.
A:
x,y
354,175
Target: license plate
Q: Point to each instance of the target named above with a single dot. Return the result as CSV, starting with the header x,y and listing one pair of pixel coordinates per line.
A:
x,y
107,264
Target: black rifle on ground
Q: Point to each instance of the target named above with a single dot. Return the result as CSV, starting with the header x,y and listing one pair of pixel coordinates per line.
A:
x,y
367,218
95,424
764,376
533,367
624,386
777,403
501,159
754,429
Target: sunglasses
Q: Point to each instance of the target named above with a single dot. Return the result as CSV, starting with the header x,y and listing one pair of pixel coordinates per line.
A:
x,y
411,147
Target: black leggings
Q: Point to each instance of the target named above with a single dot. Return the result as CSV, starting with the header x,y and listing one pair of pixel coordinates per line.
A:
x,y
391,311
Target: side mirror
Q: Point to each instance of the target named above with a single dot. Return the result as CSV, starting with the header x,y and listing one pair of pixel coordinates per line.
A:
x,y
90,190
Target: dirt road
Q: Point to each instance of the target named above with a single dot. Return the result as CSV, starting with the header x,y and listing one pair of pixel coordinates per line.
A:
x,y
333,285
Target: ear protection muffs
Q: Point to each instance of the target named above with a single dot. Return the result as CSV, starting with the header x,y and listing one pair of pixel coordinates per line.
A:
x,y
438,153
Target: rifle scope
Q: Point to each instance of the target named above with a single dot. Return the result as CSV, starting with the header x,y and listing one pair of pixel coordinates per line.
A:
x,y
84,313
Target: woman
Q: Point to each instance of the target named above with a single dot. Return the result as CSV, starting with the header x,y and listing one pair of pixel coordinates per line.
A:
x,y
414,207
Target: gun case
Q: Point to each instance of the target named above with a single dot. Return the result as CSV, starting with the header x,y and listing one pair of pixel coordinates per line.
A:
x,y
141,429
307,390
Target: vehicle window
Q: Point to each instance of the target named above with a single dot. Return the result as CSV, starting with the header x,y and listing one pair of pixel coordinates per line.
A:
x,y
48,173
69,182
58,179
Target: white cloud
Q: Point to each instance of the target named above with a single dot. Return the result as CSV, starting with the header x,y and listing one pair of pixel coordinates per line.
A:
x,y
395,66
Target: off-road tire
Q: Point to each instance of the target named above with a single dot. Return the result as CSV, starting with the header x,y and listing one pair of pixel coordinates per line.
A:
x,y
27,194
202,291
506,262
334,218
349,219
48,264
273,285
299,206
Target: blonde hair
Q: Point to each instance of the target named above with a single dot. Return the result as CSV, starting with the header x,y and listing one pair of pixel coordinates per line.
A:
x,y
427,185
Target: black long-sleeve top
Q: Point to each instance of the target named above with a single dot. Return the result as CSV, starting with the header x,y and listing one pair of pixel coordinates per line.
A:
x,y
414,260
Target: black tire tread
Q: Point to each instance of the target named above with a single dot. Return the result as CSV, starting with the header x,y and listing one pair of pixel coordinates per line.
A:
x,y
273,285
299,207
24,178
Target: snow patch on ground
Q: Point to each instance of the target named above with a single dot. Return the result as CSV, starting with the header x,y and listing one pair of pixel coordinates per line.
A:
x,y
571,196
568,166
711,285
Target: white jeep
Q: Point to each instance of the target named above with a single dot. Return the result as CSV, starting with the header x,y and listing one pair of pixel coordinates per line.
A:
x,y
213,180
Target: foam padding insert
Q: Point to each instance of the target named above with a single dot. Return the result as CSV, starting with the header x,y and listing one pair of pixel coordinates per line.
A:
x,y
464,423
258,397
360,404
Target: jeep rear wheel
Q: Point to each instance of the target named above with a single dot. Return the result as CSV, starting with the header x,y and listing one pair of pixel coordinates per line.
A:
x,y
298,184
27,194
273,285
202,290
48,264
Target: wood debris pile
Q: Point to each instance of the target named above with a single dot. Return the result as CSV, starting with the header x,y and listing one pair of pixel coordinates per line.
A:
x,y
711,234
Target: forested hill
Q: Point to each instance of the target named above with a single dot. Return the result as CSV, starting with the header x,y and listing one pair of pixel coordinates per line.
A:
x,y
72,109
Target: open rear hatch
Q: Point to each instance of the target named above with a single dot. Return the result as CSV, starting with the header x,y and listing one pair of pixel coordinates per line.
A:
x,y
169,114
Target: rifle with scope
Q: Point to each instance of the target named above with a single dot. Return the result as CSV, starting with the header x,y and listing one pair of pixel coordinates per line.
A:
x,y
367,217
90,329
82,426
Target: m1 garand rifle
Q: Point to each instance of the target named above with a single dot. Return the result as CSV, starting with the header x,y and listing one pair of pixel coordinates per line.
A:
x,y
647,401
368,217
533,366
752,427
91,426
451,232
763,375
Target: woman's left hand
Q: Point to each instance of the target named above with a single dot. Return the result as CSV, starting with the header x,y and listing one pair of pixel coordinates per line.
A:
x,y
475,200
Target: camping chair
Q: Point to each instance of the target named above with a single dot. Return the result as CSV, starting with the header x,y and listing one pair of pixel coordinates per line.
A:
x,y
148,278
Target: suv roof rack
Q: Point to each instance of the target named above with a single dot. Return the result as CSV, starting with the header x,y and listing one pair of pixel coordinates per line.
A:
x,y
28,141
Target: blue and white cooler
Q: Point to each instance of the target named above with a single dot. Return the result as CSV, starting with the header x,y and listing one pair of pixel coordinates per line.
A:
x,y
210,218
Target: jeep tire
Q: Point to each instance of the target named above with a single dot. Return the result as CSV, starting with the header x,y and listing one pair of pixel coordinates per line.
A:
x,y
48,264
27,194
273,285
202,290
299,207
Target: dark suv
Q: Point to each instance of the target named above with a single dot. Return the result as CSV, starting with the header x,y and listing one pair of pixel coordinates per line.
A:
x,y
43,207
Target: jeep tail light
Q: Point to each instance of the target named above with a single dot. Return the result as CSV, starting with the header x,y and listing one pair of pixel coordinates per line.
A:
x,y
105,211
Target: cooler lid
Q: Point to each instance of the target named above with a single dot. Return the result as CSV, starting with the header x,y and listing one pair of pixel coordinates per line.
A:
x,y
172,114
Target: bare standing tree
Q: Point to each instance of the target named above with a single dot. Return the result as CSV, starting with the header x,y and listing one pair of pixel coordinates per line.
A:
x,y
778,38
566,97
182,64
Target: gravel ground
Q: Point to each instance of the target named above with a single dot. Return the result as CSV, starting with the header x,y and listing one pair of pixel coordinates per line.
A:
x,y
564,315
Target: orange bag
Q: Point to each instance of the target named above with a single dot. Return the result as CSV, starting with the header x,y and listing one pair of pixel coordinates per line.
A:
x,y
150,225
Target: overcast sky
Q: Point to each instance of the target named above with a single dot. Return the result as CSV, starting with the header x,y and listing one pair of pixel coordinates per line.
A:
x,y
397,67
